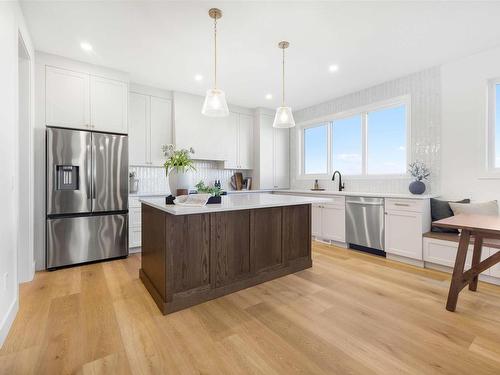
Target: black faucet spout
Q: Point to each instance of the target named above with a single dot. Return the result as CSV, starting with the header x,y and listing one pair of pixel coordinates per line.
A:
x,y
341,185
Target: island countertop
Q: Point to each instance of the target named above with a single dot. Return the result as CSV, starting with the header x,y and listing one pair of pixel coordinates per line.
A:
x,y
234,203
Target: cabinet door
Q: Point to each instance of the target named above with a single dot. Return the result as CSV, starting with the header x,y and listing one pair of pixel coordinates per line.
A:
x,y
266,145
316,220
230,246
245,142
108,99
67,100
333,223
281,158
403,234
161,128
229,141
138,137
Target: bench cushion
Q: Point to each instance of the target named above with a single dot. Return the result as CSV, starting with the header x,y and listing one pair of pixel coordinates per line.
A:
x,y
441,210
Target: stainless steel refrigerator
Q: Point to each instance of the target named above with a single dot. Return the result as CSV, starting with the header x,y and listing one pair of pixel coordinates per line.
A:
x,y
87,196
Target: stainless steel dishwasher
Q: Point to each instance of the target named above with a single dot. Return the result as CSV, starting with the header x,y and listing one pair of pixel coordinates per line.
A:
x,y
365,224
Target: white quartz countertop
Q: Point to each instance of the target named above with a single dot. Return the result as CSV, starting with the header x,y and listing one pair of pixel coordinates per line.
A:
x,y
358,194
234,202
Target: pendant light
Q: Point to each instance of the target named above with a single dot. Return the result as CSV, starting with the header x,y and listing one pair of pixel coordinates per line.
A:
x,y
284,116
215,104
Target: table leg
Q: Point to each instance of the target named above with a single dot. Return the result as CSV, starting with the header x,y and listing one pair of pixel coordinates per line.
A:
x,y
476,258
456,280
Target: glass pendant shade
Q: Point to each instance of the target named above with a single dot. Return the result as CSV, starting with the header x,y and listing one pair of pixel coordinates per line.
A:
x,y
215,104
283,118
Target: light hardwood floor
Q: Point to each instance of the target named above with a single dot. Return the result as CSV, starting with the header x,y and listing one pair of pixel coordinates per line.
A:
x,y
351,313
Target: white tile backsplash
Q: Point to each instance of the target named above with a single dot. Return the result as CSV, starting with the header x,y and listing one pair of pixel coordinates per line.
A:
x,y
424,89
153,179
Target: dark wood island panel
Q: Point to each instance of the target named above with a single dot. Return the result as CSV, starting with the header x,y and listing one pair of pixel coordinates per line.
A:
x,y
189,259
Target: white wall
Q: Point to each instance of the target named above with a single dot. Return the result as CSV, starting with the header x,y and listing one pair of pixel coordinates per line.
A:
x,y
424,89
11,24
464,119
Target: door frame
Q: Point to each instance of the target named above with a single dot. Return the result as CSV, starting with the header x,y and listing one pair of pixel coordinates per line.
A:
x,y
25,205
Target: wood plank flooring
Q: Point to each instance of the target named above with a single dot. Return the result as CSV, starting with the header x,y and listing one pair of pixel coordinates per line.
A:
x,y
351,313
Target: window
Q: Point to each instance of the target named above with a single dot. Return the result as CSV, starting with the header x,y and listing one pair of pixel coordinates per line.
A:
x,y
316,150
347,151
386,135
367,142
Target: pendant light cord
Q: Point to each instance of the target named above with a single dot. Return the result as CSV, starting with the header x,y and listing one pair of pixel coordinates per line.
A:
x,y
215,57
283,76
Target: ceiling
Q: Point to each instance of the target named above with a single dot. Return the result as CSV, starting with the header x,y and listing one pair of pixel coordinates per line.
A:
x,y
165,44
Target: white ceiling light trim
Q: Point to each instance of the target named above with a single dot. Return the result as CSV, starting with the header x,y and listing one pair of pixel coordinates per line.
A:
x,y
284,116
215,104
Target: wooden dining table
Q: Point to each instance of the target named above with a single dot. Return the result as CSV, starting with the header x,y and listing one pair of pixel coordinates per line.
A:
x,y
475,229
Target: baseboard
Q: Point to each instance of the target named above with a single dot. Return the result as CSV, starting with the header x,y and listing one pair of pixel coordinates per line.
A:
x,y
402,259
134,250
8,320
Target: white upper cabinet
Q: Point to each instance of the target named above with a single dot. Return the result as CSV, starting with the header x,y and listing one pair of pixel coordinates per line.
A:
x,y
238,141
273,155
150,128
161,128
281,158
245,142
229,140
138,152
108,104
67,101
207,135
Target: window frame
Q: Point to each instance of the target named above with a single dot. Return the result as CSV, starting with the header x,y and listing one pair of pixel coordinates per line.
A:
x,y
363,111
491,128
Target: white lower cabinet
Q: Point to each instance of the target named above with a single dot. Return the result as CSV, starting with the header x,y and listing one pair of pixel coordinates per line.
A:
x,y
134,219
405,222
328,221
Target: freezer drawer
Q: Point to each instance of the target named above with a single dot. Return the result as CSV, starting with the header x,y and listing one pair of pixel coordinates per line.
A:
x,y
75,240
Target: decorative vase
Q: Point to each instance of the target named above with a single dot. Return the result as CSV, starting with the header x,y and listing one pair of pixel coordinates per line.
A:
x,y
133,185
178,180
417,187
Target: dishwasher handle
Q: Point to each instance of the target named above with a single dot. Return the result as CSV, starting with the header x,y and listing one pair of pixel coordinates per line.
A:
x,y
366,203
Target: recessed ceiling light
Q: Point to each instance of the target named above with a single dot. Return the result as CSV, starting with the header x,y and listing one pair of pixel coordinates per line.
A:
x,y
198,77
269,96
87,47
333,68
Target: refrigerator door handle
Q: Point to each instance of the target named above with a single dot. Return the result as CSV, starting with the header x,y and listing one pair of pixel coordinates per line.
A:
x,y
89,171
94,174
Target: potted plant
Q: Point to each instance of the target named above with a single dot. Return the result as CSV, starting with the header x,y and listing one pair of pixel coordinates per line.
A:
x,y
419,172
214,191
177,165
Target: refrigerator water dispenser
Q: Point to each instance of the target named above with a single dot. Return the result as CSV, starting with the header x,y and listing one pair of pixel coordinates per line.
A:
x,y
67,177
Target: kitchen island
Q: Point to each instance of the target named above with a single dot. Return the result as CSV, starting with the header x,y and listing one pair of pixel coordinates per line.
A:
x,y
194,254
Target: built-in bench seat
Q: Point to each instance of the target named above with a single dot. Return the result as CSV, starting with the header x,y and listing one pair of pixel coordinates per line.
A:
x,y
440,249
491,243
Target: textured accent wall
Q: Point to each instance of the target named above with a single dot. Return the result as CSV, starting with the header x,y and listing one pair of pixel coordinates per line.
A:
x,y
153,180
424,89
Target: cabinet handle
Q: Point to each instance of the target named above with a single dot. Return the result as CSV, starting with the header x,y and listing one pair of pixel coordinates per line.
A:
x,y
402,204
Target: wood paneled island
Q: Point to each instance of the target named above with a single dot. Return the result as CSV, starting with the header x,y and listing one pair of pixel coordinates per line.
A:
x,y
194,254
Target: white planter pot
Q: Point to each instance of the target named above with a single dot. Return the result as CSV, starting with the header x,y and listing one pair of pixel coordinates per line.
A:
x,y
178,180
